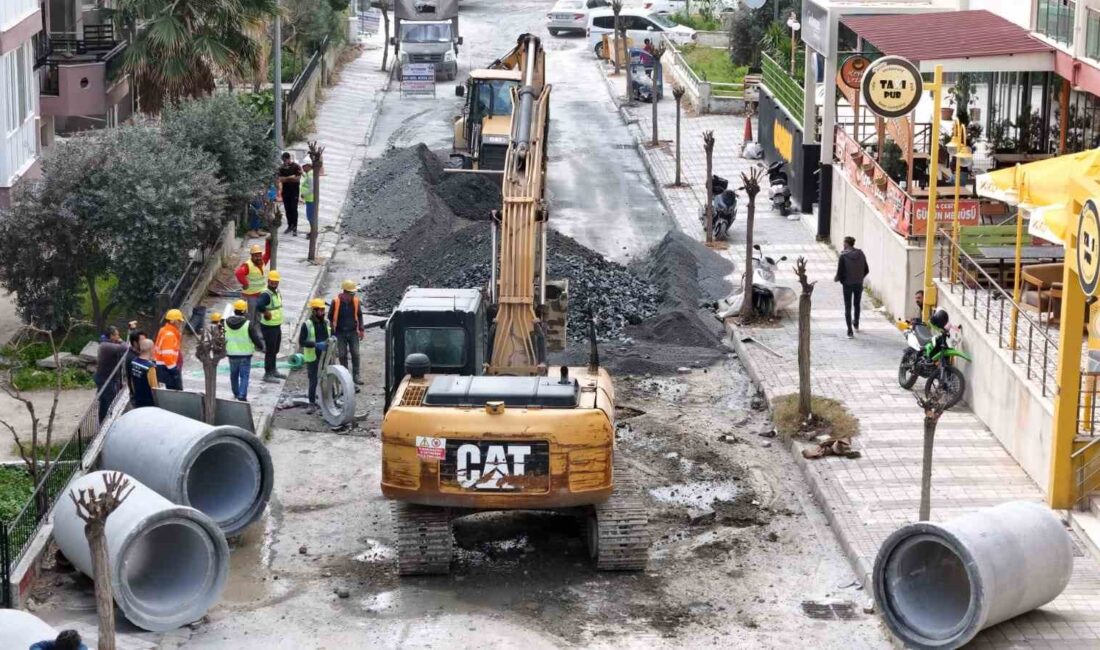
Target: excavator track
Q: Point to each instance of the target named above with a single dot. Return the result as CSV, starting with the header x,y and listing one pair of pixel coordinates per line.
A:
x,y
424,540
618,529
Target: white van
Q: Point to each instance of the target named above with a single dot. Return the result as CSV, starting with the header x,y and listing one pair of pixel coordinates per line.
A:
x,y
640,24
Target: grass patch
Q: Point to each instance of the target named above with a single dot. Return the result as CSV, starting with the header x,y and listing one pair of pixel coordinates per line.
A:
x,y
40,453
34,378
700,22
828,417
713,64
16,488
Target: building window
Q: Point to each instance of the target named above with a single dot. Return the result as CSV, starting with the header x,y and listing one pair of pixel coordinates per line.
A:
x,y
1092,34
1054,19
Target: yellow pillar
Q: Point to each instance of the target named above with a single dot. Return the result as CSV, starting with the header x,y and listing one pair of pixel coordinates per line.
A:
x,y
1016,279
1061,492
933,183
955,219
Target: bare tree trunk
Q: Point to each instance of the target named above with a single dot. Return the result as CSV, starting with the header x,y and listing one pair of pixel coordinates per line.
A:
x,y
385,33
658,52
751,182
708,207
210,351
933,409
316,154
96,532
805,398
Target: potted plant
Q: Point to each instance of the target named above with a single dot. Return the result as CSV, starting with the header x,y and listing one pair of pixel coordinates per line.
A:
x,y
961,94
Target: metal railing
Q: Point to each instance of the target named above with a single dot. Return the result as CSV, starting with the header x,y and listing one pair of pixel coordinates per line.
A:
x,y
679,63
780,85
307,73
700,88
17,534
1029,342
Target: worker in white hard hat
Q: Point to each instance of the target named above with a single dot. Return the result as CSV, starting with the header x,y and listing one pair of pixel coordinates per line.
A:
x,y
346,317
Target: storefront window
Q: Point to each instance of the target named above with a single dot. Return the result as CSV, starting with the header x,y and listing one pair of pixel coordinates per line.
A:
x,y
1092,34
1054,19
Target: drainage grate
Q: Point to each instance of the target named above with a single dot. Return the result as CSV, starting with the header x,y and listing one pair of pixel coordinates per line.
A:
x,y
829,611
623,146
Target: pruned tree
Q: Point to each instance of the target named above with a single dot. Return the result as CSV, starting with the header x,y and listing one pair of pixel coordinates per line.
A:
x,y
933,407
616,9
94,509
316,156
210,350
805,398
273,220
708,207
751,183
678,94
384,5
658,52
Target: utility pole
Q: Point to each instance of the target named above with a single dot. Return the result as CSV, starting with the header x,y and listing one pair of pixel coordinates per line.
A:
x,y
278,90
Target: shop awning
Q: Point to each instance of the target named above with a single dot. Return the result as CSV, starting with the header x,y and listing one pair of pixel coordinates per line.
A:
x,y
1041,189
960,41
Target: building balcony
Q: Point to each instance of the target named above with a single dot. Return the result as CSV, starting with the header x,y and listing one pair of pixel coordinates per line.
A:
x,y
81,77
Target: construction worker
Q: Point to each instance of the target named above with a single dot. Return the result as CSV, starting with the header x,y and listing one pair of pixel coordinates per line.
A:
x,y
217,321
307,192
313,339
167,351
270,308
251,275
142,374
346,316
241,340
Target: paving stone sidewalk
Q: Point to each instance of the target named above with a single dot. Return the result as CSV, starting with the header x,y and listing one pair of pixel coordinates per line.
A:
x,y
868,498
344,123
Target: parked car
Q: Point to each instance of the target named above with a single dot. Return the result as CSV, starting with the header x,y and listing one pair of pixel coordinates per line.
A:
x,y
640,24
663,6
571,15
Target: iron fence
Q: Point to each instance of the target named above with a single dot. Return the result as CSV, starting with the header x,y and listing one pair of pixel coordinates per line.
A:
x,y
1029,343
300,82
782,86
17,534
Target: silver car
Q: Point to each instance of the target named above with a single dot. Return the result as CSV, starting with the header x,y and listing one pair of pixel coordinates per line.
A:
x,y
571,15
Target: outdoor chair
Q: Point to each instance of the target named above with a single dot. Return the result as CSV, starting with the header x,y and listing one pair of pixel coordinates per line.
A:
x,y
1038,282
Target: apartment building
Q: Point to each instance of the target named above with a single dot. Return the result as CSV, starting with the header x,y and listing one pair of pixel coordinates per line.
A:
x,y
20,23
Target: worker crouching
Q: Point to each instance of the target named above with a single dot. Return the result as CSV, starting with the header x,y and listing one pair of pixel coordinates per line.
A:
x,y
241,341
313,339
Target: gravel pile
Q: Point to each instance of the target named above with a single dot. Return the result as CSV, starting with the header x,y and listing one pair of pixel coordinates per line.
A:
x,y
470,196
391,193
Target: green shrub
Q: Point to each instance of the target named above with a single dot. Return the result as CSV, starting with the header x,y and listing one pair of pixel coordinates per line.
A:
x,y
713,64
35,378
701,22
16,488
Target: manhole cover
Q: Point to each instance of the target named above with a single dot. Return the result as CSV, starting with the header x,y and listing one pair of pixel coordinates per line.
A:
x,y
829,611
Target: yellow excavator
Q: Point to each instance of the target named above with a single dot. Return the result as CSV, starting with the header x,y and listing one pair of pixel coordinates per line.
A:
x,y
474,420
482,131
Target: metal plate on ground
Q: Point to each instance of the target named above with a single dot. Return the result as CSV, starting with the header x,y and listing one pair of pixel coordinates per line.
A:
x,y
830,611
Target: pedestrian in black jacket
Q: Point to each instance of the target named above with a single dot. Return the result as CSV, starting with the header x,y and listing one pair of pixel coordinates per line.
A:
x,y
851,269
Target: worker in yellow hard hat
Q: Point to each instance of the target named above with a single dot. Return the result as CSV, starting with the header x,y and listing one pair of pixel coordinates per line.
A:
x,y
270,308
241,341
346,316
167,351
252,274
313,339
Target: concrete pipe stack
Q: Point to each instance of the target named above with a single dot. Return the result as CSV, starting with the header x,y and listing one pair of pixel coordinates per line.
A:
x,y
938,585
19,629
168,563
223,471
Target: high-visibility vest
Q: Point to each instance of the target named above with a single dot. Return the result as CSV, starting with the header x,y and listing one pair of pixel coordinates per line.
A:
x,y
256,280
275,308
307,187
336,311
166,349
237,341
310,354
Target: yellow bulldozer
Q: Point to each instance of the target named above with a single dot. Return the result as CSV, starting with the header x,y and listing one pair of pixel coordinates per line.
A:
x,y
475,420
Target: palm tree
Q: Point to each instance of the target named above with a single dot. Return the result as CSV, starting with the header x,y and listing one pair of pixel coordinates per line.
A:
x,y
179,48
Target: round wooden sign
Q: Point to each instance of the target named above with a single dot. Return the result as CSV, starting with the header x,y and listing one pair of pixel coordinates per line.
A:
x,y
891,87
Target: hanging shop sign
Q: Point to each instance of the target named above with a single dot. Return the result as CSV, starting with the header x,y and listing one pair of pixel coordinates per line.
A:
x,y
891,87
1088,248
815,27
851,73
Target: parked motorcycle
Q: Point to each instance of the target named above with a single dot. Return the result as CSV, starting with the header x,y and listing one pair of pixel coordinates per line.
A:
x,y
779,189
931,351
768,297
724,202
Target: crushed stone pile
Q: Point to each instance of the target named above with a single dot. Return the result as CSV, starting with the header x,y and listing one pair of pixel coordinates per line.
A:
x,y
391,193
470,196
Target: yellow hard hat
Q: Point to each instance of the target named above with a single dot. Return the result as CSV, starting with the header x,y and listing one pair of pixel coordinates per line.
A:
x,y
349,285
216,317
317,303
174,315
240,305
273,276
256,249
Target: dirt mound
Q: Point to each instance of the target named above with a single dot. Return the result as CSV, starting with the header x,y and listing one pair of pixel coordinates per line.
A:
x,y
470,196
391,193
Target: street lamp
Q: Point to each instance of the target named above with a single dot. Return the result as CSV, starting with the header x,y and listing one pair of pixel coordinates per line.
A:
x,y
960,150
794,25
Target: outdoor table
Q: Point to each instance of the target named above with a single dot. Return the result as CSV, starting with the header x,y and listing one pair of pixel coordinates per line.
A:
x,y
1031,253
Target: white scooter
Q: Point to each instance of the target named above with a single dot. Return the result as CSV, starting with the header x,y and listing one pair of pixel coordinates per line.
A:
x,y
768,296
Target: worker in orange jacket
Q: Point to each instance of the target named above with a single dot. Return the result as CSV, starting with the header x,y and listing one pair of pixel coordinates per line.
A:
x,y
168,351
252,276
346,317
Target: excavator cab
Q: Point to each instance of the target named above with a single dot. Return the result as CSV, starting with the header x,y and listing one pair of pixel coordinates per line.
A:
x,y
482,131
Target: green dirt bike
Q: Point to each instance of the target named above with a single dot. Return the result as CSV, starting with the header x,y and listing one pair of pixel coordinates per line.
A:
x,y
931,354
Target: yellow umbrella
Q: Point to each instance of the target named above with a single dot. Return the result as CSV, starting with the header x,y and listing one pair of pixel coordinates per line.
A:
x,y
1051,222
1040,183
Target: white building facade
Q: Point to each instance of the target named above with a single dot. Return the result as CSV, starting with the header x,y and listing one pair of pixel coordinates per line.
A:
x,y
20,22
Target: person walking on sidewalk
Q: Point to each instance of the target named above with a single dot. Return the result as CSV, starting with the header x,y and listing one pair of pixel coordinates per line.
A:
x,y
851,269
290,177
270,307
111,351
251,273
241,341
307,192
313,339
167,351
346,316
142,374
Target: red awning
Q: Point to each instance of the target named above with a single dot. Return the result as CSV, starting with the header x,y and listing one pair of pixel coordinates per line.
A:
x,y
946,35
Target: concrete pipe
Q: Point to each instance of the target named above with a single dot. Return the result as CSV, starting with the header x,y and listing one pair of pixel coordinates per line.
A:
x,y
938,585
224,471
169,563
19,629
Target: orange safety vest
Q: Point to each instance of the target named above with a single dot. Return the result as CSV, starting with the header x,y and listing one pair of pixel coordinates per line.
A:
x,y
166,349
336,312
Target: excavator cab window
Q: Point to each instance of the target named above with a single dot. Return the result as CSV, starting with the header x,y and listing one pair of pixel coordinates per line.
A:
x,y
493,98
445,346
